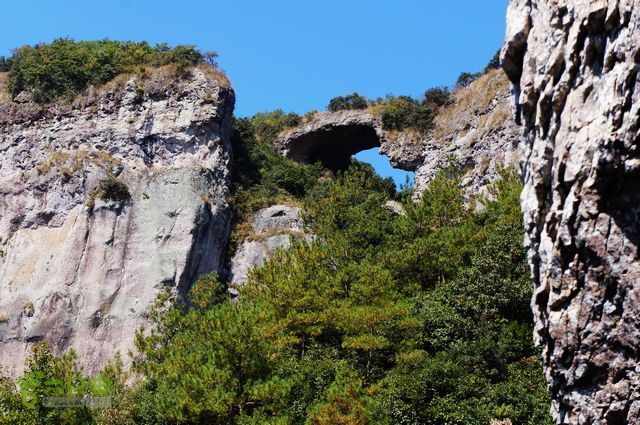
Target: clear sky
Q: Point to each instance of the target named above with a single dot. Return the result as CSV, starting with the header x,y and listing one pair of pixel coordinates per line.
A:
x,y
289,54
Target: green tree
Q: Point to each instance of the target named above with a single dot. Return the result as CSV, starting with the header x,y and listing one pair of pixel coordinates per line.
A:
x,y
213,359
351,101
437,236
261,175
48,375
466,78
403,112
5,64
438,97
12,409
494,63
344,403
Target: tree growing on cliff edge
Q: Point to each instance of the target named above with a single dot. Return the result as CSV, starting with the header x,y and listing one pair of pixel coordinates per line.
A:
x,y
5,64
348,102
438,97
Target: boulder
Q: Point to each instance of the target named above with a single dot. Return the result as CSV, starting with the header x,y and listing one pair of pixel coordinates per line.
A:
x,y
271,228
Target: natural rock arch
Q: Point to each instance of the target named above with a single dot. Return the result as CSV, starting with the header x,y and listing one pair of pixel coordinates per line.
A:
x,y
333,147
334,137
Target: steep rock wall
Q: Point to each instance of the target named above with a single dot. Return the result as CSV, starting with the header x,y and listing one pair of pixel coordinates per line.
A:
x,y
574,69
82,272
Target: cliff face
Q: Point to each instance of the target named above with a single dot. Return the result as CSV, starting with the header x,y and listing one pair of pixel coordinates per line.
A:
x,y
82,272
574,69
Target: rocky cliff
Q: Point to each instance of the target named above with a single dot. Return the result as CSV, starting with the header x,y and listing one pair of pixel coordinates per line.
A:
x,y
79,269
477,131
574,69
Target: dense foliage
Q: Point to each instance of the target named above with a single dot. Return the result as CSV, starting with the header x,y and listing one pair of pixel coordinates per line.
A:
x,y
420,318
351,101
49,382
404,112
261,175
65,67
438,97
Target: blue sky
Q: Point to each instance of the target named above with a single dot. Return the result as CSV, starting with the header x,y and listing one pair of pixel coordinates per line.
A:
x,y
290,54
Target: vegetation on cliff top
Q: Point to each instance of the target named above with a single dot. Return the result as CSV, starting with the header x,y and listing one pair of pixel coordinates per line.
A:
x,y
65,67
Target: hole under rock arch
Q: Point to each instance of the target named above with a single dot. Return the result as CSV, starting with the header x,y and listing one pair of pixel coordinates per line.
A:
x,y
334,147
383,167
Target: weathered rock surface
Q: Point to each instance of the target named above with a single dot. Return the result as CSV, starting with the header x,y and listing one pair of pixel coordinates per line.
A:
x,y
476,130
83,276
574,68
395,208
271,228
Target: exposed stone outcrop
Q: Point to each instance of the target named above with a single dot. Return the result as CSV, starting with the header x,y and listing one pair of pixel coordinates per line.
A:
x,y
477,132
574,68
395,208
271,228
80,271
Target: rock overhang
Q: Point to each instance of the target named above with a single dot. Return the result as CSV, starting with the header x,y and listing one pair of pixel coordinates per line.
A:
x,y
332,138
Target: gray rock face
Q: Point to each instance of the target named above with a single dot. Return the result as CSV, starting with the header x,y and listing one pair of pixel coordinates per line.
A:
x,y
574,68
82,272
395,207
272,228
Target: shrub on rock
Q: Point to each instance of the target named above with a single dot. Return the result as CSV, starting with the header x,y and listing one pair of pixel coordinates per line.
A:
x,y
112,189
